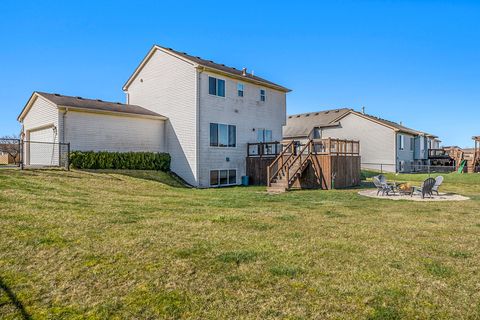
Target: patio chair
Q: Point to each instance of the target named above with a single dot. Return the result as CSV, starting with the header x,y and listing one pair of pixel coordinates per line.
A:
x,y
382,186
438,182
426,189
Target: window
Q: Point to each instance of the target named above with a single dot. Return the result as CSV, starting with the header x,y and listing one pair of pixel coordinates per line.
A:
x,y
412,144
264,135
223,177
401,143
240,89
223,135
262,95
216,87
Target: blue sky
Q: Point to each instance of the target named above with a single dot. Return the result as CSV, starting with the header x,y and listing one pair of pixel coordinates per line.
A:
x,y
411,61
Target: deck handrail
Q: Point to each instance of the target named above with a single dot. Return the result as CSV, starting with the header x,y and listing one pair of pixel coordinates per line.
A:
x,y
299,156
277,159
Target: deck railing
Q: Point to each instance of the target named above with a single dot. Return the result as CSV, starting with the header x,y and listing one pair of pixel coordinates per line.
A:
x,y
319,146
437,153
294,153
264,149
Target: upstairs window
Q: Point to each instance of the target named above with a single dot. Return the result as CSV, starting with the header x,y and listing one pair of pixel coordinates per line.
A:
x,y
223,135
401,142
240,89
264,135
216,87
263,97
412,144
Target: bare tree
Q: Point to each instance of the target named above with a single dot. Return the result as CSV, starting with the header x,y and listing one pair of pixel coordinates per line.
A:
x,y
10,144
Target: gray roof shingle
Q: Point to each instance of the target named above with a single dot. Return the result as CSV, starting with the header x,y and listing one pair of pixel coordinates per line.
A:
x,y
96,104
300,125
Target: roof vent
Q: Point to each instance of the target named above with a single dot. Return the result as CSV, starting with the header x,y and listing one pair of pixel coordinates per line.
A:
x,y
244,72
56,94
327,112
118,103
307,115
298,116
316,113
80,98
289,117
99,100
337,111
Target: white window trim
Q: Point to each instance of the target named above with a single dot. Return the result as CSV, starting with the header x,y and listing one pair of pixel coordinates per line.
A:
x,y
208,87
243,85
260,95
223,185
227,147
401,144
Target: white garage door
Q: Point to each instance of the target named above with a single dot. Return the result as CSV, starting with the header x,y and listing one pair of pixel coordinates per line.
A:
x,y
42,149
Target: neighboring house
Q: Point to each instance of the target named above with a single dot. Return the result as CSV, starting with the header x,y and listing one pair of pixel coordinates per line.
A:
x,y
200,112
384,144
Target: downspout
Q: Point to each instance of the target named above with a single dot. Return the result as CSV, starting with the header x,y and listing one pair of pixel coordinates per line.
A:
x,y
396,151
197,84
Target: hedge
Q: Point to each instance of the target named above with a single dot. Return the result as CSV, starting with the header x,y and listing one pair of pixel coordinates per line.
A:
x,y
120,160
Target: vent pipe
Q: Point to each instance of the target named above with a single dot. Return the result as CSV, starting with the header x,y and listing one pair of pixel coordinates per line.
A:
x,y
244,72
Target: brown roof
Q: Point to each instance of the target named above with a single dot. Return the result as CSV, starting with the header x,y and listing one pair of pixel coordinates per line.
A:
x,y
208,64
300,125
96,104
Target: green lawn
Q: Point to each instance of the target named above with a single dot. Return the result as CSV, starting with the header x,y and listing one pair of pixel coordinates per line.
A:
x,y
137,245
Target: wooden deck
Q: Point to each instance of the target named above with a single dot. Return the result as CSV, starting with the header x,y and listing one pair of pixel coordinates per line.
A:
x,y
318,164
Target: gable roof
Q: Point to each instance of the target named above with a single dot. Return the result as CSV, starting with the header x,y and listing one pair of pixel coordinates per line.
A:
x,y
301,125
93,105
207,65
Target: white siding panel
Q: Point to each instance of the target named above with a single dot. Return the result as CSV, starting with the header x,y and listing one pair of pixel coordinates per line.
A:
x,y
167,85
247,114
102,132
41,149
377,142
41,114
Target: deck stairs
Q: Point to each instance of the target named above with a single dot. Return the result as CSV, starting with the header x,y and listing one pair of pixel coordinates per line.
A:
x,y
289,166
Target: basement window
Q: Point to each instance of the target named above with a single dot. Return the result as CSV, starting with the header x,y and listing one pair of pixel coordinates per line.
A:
x,y
223,177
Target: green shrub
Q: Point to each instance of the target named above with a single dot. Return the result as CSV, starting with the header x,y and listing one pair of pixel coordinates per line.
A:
x,y
120,160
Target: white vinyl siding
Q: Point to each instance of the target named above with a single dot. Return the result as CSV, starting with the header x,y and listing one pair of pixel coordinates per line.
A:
x,y
169,88
101,132
42,148
245,114
377,142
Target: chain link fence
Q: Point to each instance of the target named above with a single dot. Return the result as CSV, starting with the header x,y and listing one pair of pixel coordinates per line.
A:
x,y
15,153
408,168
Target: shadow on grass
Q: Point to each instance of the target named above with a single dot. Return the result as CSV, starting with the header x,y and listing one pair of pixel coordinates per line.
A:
x,y
14,300
168,178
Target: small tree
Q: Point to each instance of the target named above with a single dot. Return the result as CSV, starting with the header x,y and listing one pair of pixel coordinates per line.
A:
x,y
11,146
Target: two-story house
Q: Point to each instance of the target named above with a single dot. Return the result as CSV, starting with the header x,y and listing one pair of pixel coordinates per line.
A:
x,y
202,113
385,145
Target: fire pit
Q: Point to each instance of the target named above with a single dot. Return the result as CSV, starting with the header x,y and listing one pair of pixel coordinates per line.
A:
x,y
405,189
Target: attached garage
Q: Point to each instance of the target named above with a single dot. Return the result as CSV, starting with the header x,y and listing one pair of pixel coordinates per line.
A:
x,y
50,121
43,147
